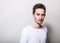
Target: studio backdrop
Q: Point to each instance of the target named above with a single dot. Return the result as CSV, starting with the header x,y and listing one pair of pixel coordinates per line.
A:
x,y
16,14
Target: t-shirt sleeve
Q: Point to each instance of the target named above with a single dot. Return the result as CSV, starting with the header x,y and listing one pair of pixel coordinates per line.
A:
x,y
24,36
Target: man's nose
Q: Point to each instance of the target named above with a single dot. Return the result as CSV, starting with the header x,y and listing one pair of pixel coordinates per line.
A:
x,y
40,17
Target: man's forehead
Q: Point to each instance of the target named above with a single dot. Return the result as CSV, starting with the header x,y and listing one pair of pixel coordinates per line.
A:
x,y
39,10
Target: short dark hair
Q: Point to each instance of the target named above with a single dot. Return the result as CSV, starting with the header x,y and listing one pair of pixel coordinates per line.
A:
x,y
39,5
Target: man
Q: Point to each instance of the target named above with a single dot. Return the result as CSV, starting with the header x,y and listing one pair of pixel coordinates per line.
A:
x,y
35,33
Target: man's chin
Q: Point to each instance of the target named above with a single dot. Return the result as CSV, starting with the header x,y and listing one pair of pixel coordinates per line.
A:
x,y
40,23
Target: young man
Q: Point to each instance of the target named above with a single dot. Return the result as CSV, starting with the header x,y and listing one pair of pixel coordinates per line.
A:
x,y
35,33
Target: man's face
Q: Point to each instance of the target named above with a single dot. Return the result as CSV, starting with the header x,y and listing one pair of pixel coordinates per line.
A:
x,y
39,16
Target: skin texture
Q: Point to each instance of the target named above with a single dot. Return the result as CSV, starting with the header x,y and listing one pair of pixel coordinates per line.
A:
x,y
38,16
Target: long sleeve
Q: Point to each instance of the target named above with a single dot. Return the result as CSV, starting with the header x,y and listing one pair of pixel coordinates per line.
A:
x,y
24,37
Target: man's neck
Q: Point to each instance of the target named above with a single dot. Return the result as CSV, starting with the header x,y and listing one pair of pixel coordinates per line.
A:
x,y
35,25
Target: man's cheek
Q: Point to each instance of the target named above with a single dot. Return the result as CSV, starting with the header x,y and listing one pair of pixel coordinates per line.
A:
x,y
37,18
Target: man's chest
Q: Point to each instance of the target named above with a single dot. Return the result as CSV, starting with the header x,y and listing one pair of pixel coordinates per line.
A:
x,y
37,35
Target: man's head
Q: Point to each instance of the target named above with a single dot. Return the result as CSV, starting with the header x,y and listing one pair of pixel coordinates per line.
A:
x,y
39,11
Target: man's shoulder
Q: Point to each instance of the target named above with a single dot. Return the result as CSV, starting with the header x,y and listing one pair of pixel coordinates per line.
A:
x,y
26,28
45,28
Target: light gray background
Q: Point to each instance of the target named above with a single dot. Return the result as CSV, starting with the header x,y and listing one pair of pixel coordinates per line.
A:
x,y
16,14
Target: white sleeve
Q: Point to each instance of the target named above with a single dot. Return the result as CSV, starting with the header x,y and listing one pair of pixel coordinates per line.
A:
x,y
24,37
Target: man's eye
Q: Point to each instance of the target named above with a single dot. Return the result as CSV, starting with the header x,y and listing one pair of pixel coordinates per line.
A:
x,y
38,14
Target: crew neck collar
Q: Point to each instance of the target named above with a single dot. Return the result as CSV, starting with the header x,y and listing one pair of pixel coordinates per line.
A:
x,y
37,28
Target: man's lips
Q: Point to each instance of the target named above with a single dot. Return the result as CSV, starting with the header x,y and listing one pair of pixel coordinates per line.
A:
x,y
40,20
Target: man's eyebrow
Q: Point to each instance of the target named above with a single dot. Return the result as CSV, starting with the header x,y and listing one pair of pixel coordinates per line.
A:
x,y
43,14
38,13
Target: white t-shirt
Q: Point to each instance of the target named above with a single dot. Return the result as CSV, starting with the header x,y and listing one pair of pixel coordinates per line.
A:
x,y
33,35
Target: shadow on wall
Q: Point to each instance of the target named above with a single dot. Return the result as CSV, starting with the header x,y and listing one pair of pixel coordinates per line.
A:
x,y
49,28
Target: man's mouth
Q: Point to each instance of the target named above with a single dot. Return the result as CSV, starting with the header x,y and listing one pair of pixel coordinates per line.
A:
x,y
40,20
